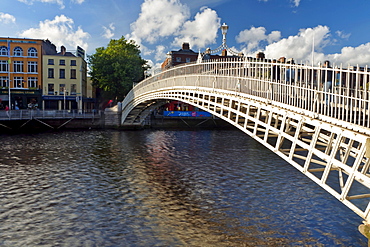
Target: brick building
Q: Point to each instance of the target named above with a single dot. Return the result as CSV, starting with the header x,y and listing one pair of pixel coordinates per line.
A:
x,y
184,55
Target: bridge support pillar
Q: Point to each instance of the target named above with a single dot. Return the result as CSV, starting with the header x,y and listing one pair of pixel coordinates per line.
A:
x,y
365,230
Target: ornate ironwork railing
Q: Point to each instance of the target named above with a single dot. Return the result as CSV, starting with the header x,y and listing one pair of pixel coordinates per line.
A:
x,y
332,94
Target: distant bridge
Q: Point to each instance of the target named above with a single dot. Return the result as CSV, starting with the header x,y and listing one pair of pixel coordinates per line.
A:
x,y
322,130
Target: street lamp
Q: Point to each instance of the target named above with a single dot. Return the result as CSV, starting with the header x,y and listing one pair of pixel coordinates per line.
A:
x,y
224,29
223,46
64,95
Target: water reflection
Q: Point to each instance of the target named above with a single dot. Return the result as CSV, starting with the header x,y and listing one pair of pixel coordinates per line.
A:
x,y
161,188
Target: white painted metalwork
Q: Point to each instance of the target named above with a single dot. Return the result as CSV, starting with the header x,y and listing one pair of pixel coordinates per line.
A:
x,y
223,46
320,129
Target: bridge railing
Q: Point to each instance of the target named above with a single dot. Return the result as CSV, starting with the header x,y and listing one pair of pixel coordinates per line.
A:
x,y
335,92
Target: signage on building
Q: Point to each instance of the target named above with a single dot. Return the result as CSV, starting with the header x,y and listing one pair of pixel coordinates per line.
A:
x,y
186,114
80,52
58,97
18,92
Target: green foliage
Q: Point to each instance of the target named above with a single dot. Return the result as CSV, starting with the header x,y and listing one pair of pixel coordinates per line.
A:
x,y
114,69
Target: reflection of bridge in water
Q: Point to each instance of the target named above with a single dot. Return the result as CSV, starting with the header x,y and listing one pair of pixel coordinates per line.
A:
x,y
323,132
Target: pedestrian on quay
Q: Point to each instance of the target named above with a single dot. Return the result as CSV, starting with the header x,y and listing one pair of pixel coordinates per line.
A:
x,y
7,110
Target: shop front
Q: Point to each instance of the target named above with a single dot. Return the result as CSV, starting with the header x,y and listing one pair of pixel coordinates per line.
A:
x,y
60,102
20,98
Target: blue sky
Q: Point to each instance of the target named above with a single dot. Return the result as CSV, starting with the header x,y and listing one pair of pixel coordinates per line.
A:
x,y
338,30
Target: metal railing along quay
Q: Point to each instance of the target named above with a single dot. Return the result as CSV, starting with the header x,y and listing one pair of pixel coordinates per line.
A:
x,y
47,114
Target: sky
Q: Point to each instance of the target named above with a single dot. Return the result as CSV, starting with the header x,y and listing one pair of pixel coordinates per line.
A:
x,y
309,31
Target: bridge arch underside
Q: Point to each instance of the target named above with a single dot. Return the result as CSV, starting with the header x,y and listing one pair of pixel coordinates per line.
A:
x,y
331,156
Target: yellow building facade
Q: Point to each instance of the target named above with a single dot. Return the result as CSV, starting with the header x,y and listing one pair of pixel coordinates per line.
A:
x,y
20,72
64,82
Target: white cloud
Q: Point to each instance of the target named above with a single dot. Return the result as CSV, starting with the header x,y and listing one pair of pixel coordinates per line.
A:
x,y
165,19
145,50
343,35
256,38
30,2
109,31
300,46
60,31
273,36
296,2
200,32
158,18
359,55
59,2
160,54
6,18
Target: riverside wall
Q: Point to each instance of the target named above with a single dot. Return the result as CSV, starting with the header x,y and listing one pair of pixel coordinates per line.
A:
x,y
109,119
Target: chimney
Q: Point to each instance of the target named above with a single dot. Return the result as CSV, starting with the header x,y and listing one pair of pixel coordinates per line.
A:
x,y
282,60
290,60
224,53
63,50
185,46
260,55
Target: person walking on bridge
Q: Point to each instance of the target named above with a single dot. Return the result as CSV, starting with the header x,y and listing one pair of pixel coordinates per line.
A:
x,y
327,80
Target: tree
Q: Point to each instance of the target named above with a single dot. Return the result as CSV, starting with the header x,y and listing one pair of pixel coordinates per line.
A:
x,y
114,69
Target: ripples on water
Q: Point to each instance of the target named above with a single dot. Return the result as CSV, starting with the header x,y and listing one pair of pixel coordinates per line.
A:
x,y
161,188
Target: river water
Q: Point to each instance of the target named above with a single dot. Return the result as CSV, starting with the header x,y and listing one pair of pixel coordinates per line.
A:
x,y
161,188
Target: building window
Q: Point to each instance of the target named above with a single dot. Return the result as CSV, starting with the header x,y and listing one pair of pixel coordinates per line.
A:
x,y
178,59
73,63
73,74
4,81
4,66
73,89
32,52
32,82
50,73
3,51
18,82
50,61
18,66
188,59
50,89
62,62
32,67
18,51
62,74
62,88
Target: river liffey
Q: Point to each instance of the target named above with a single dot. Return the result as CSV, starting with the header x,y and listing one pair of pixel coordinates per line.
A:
x,y
161,188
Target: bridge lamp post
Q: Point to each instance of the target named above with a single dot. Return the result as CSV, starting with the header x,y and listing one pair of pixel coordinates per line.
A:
x,y
224,29
223,46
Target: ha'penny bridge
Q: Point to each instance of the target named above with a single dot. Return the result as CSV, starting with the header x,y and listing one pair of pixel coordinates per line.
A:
x,y
320,128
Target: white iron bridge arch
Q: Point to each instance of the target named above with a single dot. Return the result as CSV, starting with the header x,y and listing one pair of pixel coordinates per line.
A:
x,y
322,130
